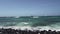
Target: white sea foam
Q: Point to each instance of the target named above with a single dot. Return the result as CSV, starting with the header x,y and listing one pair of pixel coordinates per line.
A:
x,y
25,23
32,28
35,17
49,27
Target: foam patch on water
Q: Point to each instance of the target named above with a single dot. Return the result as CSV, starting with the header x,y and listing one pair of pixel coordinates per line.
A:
x,y
49,27
32,28
25,22
35,17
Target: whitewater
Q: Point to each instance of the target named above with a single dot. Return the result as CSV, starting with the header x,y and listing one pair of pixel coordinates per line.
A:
x,y
35,23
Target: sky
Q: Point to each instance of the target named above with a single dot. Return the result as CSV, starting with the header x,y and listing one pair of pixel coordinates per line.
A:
x,y
29,7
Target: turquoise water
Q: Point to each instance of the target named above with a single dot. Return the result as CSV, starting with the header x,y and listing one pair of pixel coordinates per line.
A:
x,y
42,21
29,21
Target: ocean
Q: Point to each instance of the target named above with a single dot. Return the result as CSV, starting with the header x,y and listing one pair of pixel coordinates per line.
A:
x,y
31,22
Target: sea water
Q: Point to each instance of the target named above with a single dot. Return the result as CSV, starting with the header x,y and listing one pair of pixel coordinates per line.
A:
x,y
31,23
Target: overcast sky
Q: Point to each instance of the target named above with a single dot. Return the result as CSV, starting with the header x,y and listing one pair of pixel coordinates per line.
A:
x,y
29,7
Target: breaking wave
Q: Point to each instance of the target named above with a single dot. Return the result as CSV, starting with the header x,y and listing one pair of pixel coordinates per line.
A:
x,y
36,23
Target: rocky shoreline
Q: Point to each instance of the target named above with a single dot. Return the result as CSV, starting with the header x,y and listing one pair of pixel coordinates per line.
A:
x,y
26,31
